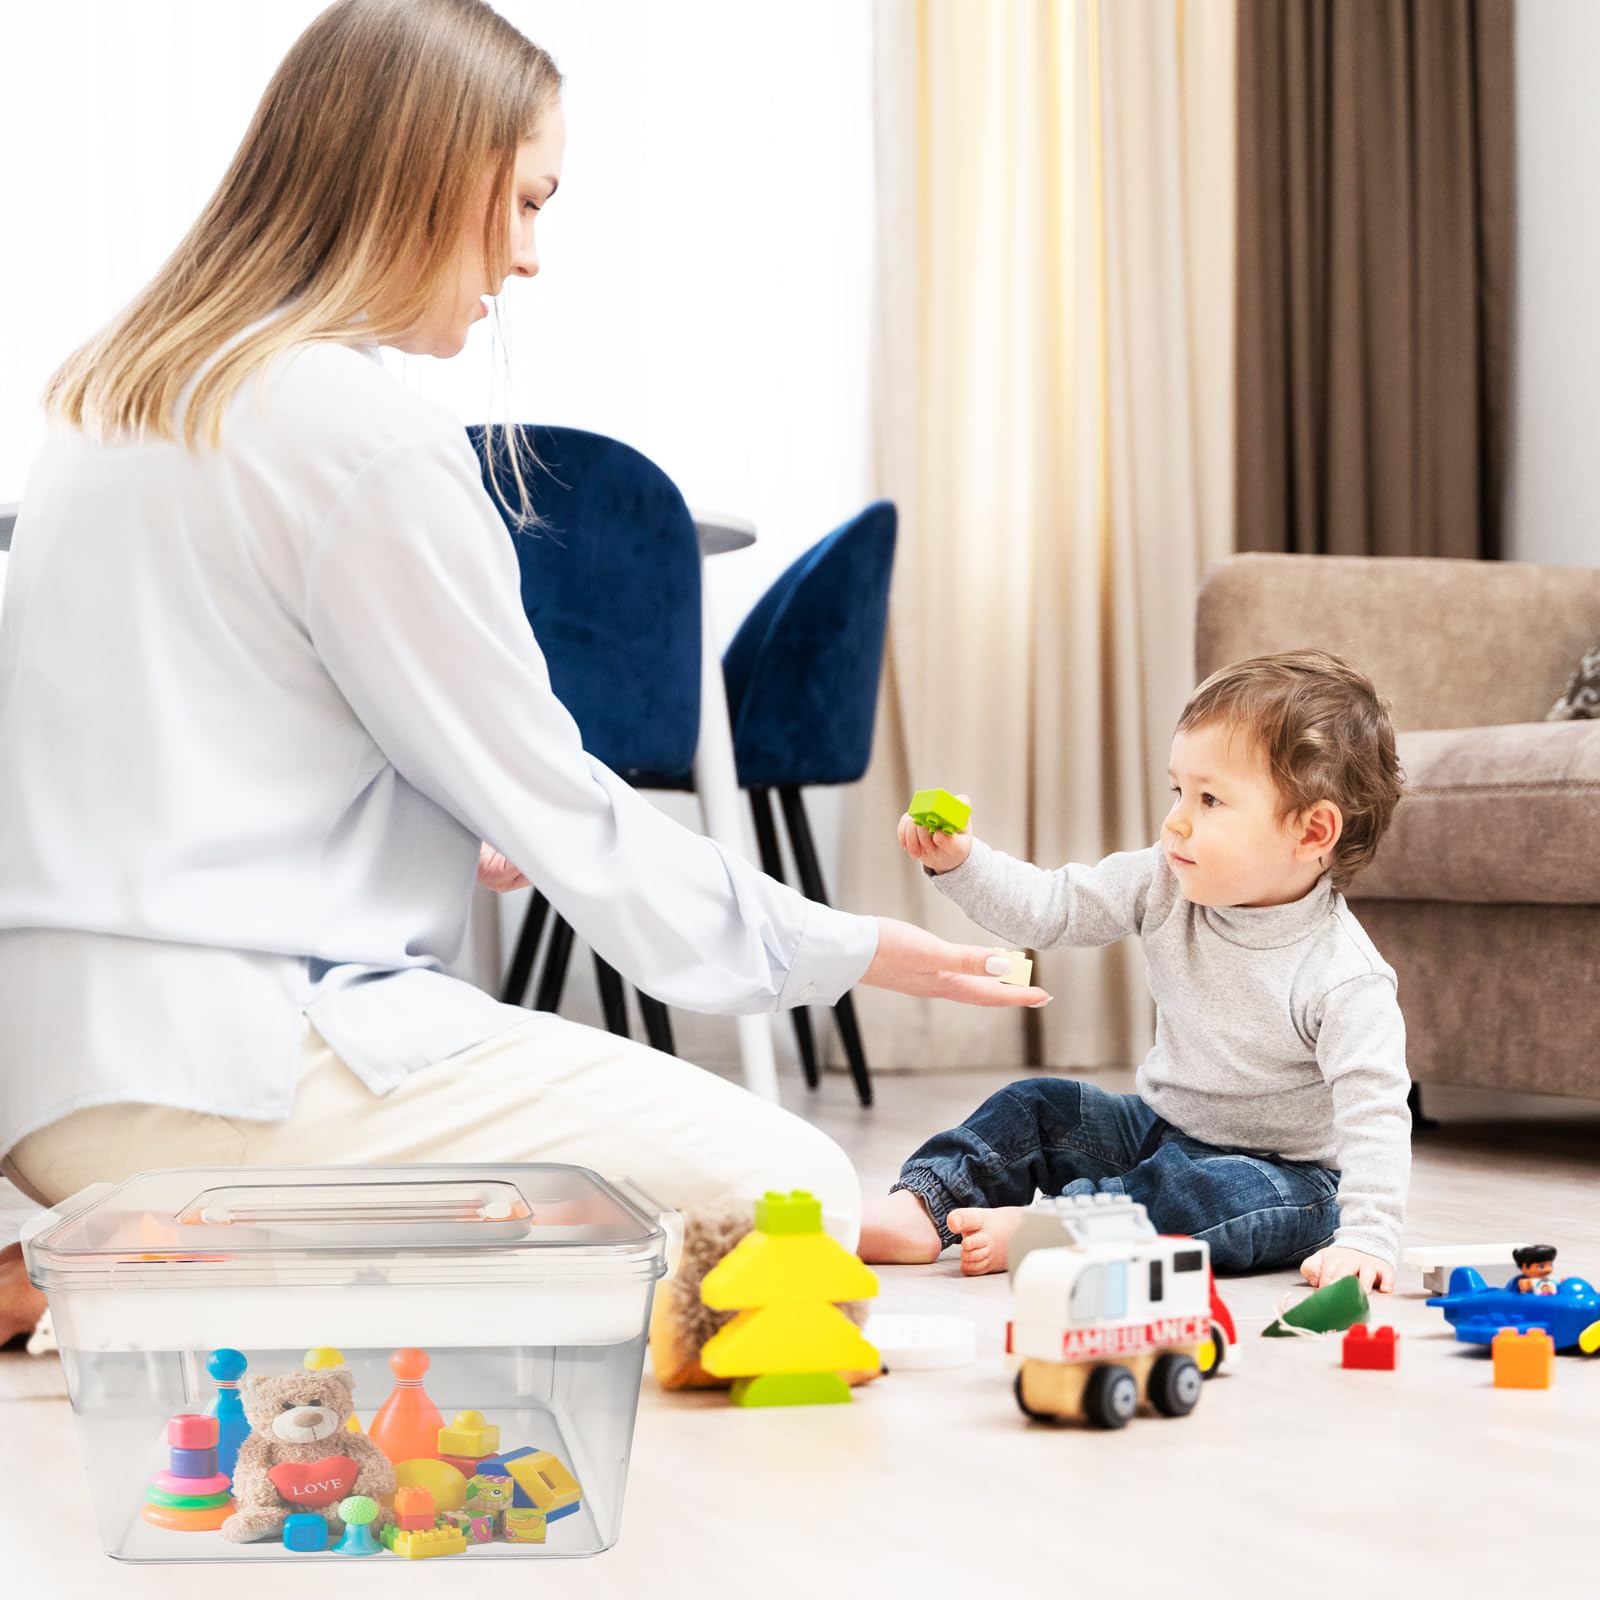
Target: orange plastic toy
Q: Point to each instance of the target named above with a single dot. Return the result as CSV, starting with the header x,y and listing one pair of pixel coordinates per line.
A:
x,y
1524,1360
407,1425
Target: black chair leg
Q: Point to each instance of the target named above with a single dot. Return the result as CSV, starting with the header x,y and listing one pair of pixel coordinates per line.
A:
x,y
521,969
657,1024
805,859
553,979
772,865
612,999
1419,1122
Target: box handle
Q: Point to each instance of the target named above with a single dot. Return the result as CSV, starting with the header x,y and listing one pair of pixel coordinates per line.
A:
x,y
671,1221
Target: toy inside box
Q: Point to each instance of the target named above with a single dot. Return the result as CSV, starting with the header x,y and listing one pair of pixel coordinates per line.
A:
x,y
317,1363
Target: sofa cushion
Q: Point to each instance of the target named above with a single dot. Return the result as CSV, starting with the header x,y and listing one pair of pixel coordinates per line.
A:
x,y
1500,815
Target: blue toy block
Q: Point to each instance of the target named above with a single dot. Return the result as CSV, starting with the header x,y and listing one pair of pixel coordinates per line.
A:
x,y
304,1530
1478,1313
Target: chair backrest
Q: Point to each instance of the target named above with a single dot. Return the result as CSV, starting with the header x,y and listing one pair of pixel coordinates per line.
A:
x,y
611,588
802,671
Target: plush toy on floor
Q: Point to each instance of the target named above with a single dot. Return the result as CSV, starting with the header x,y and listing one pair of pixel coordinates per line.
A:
x,y
680,1323
299,1456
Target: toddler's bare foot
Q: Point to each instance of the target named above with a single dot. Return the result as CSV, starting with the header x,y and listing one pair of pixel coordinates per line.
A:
x,y
985,1233
21,1305
896,1228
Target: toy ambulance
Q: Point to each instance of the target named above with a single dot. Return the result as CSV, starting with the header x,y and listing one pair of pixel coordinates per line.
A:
x,y
1106,1313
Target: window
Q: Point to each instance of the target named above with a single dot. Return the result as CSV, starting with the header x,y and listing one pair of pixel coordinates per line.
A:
x,y
1186,1261
1117,1289
1088,1295
1156,1288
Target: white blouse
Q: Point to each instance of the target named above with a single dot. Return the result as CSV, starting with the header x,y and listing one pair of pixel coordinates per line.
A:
x,y
258,705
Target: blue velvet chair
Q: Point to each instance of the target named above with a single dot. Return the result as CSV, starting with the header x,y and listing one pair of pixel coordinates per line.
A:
x,y
611,587
802,676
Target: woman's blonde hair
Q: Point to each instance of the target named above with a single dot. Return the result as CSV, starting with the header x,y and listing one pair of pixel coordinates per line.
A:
x,y
346,199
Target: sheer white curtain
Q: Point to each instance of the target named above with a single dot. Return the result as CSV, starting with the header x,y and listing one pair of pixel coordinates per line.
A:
x,y
1054,416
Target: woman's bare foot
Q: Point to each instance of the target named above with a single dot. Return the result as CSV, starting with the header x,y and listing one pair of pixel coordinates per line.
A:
x,y
21,1305
985,1234
896,1229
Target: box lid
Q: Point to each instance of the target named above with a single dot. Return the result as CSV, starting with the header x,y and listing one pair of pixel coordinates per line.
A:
x,y
282,1226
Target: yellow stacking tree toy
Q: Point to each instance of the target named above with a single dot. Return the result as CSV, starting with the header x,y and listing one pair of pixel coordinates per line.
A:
x,y
790,1342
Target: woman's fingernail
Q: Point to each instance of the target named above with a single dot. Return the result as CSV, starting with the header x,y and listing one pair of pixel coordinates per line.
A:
x,y
997,966
1039,1005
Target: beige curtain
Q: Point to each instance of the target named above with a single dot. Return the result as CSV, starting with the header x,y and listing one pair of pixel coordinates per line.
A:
x,y
1054,420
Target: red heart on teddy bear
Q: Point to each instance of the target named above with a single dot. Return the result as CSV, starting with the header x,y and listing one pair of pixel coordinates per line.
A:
x,y
314,1483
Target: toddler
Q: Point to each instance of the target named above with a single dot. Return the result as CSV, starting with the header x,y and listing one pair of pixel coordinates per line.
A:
x,y
1270,1117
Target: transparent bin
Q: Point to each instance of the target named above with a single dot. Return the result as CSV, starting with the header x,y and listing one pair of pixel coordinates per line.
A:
x,y
520,1294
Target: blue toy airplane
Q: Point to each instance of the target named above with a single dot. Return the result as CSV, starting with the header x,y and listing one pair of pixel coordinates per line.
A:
x,y
1571,1316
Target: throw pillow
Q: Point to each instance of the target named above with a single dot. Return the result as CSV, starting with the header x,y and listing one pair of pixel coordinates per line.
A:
x,y
1581,697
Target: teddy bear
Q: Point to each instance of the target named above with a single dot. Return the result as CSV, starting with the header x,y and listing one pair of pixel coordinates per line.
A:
x,y
299,1455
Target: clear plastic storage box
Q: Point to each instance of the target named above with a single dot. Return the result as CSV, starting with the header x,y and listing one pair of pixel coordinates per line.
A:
x,y
320,1363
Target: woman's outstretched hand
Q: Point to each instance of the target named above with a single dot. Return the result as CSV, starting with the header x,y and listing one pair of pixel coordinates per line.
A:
x,y
911,960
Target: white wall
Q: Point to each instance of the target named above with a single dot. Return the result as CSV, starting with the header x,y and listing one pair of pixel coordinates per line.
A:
x,y
1553,492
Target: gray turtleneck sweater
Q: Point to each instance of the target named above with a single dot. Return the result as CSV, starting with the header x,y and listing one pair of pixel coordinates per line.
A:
x,y
1277,1027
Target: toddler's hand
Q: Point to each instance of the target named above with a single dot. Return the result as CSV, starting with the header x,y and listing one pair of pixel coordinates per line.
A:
x,y
495,872
1336,1261
943,852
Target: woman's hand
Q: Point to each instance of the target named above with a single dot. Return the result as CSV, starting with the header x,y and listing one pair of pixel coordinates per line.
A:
x,y
911,960
495,872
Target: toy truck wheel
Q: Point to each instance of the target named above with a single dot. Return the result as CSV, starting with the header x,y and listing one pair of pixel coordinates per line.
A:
x,y
1111,1398
1174,1387
1032,1413
1213,1352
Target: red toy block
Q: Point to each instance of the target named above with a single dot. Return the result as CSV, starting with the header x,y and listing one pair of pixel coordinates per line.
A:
x,y
190,1432
467,1466
1371,1350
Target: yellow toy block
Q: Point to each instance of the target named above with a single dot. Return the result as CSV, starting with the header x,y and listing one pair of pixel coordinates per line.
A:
x,y
545,1480
1524,1360
420,1543
815,1337
469,1435
788,1259
1021,972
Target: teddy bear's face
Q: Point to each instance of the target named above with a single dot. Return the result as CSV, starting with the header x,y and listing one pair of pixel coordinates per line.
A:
x,y
300,1407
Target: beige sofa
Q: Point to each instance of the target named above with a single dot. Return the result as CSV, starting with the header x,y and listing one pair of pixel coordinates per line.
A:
x,y
1485,895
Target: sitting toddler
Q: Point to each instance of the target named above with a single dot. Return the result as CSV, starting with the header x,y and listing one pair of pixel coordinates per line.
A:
x,y
1271,1116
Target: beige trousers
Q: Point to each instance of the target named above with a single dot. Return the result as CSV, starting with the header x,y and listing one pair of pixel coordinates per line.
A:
x,y
547,1090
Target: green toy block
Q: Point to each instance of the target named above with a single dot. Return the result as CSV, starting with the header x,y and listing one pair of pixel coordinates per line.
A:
x,y
796,1212
1340,1305
939,811
791,1389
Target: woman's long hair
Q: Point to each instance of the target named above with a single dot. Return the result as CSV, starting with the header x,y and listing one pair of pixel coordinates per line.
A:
x,y
346,199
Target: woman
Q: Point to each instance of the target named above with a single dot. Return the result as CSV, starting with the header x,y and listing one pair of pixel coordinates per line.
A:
x,y
266,688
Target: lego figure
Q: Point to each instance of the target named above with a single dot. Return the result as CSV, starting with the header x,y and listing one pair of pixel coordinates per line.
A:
x,y
1536,1265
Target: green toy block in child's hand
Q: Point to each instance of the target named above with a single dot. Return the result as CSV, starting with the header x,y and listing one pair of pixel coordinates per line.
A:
x,y
939,811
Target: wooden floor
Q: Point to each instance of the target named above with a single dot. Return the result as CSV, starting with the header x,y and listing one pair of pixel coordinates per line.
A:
x,y
1293,1477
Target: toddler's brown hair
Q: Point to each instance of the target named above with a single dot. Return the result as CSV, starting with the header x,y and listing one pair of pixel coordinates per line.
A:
x,y
1325,734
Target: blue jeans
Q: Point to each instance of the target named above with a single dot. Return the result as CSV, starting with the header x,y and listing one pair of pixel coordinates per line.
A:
x,y
1059,1136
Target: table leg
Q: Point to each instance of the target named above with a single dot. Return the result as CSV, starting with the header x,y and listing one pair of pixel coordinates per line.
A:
x,y
717,782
